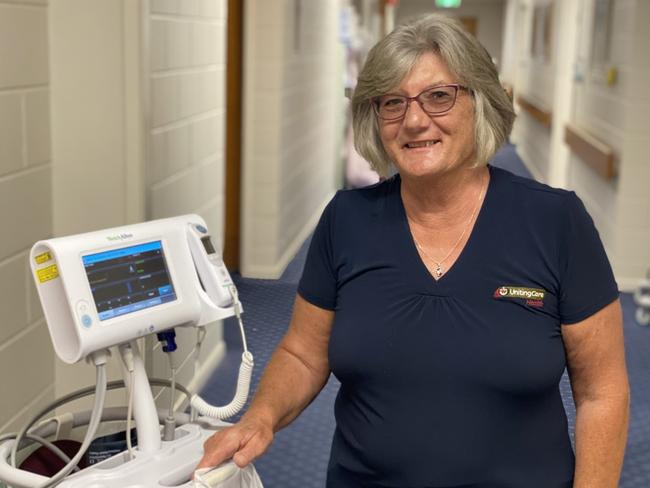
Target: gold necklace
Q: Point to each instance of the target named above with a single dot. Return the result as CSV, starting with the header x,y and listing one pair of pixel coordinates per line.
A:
x,y
438,269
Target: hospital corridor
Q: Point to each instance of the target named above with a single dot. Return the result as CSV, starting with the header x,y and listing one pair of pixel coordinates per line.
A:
x,y
168,169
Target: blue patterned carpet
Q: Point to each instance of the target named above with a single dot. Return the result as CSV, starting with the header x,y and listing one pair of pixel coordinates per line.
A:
x,y
298,457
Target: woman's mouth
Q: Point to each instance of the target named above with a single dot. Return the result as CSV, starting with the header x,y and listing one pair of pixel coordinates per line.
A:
x,y
418,144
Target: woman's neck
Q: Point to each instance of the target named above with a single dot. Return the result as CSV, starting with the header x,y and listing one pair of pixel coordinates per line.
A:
x,y
444,198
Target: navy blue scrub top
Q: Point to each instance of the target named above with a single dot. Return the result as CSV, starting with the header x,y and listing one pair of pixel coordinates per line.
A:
x,y
454,383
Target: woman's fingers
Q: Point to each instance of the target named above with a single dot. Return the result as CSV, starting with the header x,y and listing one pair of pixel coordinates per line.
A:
x,y
253,447
243,442
220,447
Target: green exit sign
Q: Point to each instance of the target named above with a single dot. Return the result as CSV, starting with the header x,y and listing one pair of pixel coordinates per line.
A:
x,y
448,3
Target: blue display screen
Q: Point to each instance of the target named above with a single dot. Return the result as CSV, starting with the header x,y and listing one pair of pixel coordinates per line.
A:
x,y
129,279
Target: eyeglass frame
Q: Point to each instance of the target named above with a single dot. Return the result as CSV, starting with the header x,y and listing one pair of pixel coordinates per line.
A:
x,y
457,87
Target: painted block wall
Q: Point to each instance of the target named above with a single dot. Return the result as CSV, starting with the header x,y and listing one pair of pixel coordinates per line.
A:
x,y
97,152
25,208
293,98
185,169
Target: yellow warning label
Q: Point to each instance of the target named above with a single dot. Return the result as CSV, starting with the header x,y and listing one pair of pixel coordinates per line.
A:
x,y
47,274
43,258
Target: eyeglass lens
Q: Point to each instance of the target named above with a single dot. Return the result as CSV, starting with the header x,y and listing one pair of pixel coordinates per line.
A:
x,y
433,101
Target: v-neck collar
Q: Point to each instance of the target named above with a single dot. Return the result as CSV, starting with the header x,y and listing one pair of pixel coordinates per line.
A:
x,y
456,268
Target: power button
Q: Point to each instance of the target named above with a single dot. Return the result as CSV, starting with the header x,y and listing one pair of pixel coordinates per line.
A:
x,y
83,312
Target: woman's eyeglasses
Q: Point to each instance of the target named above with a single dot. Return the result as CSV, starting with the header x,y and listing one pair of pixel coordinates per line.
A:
x,y
434,101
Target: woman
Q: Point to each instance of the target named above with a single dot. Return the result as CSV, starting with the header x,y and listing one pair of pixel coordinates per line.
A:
x,y
448,299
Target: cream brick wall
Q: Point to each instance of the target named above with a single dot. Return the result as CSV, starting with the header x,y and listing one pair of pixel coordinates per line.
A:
x,y
293,94
25,208
185,131
96,113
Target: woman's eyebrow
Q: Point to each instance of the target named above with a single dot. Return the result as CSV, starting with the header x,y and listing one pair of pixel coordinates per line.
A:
x,y
400,91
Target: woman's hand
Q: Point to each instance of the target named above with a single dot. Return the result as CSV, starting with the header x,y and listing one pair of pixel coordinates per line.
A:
x,y
243,442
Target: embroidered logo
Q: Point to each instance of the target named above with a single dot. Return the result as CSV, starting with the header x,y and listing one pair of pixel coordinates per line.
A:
x,y
533,297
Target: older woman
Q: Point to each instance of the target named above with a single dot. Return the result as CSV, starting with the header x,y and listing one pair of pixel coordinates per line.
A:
x,y
448,299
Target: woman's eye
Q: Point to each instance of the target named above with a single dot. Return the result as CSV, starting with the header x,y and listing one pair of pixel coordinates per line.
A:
x,y
437,95
392,102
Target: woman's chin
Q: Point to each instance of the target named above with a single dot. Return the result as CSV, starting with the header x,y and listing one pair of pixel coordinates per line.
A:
x,y
432,167
421,168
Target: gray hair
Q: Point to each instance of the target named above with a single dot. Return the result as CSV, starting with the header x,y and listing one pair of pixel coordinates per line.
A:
x,y
391,59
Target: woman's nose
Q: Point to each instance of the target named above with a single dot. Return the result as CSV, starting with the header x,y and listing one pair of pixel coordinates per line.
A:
x,y
415,117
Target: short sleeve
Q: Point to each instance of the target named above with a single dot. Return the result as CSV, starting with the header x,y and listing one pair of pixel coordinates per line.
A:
x,y
587,282
318,282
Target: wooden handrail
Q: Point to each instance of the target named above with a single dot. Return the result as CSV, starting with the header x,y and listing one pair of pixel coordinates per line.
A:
x,y
541,115
598,155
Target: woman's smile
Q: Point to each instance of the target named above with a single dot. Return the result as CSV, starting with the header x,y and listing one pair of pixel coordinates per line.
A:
x,y
426,144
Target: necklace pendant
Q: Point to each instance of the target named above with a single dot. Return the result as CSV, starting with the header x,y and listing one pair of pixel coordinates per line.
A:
x,y
438,270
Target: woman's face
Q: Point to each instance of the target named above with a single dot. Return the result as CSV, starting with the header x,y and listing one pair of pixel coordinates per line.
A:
x,y
420,144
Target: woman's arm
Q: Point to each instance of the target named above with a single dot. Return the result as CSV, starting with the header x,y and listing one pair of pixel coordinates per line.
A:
x,y
296,373
596,364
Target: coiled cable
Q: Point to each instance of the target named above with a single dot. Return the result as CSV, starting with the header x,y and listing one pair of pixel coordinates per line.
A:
x,y
240,398
243,378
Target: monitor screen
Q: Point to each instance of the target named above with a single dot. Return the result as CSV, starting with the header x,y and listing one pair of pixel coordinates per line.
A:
x,y
129,279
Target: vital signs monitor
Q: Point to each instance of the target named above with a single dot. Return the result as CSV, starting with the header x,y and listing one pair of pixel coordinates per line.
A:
x,y
107,287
